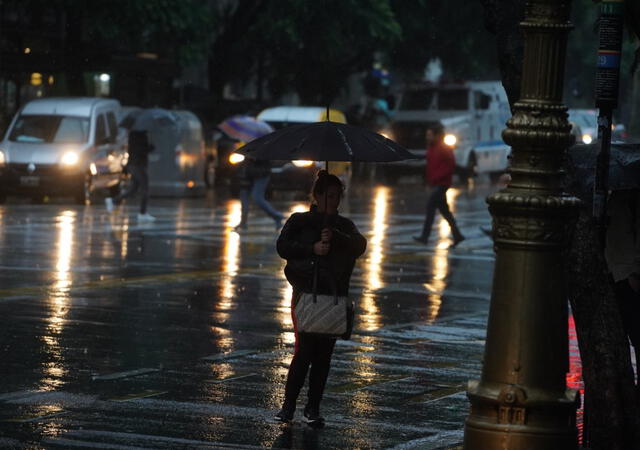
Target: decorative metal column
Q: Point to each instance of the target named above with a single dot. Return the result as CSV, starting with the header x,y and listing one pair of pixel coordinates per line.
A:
x,y
521,400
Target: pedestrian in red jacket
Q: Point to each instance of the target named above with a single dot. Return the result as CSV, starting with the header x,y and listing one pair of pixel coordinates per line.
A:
x,y
441,163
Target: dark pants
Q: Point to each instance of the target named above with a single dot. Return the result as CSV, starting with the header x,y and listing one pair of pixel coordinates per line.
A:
x,y
438,201
629,304
257,189
139,181
310,350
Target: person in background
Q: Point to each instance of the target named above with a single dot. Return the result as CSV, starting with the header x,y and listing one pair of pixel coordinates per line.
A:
x,y
137,166
254,179
440,166
622,253
324,238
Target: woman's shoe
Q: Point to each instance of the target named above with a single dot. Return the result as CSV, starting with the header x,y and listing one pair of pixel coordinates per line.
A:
x,y
285,415
313,418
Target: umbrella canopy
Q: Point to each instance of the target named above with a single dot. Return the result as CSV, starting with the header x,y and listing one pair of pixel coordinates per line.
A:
x,y
326,141
161,125
244,128
624,168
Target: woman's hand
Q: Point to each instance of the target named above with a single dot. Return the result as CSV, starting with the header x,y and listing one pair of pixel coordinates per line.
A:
x,y
326,234
321,248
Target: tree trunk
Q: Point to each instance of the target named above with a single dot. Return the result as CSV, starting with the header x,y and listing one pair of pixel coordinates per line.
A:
x,y
502,18
611,409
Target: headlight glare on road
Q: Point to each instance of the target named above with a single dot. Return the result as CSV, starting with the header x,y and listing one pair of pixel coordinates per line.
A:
x,y
587,139
70,158
302,163
450,140
236,158
2,158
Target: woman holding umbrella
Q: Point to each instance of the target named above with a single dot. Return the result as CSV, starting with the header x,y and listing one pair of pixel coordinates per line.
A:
x,y
329,243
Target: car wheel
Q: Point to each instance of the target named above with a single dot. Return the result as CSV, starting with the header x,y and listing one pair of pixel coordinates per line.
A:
x,y
210,174
83,194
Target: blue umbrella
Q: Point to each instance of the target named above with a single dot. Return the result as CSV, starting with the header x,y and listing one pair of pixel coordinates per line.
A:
x,y
244,128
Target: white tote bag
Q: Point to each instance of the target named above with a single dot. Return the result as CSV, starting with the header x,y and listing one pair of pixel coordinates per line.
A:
x,y
324,314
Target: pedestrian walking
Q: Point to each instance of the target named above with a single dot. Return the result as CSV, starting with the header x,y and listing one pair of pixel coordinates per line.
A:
x,y
254,179
622,253
440,166
321,240
137,167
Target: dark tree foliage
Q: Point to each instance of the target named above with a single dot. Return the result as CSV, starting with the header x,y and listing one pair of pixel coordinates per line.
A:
x,y
447,30
94,30
310,46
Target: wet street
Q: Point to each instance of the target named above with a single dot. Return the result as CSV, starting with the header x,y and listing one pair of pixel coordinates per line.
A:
x,y
178,334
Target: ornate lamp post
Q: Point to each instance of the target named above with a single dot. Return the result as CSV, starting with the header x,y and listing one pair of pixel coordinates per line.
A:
x,y
521,400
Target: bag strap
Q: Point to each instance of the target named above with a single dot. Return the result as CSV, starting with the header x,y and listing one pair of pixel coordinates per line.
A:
x,y
314,288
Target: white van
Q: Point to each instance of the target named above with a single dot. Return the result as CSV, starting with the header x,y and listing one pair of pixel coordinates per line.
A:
x,y
67,146
473,115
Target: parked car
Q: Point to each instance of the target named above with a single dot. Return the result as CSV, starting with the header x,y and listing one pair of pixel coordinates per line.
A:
x,y
63,146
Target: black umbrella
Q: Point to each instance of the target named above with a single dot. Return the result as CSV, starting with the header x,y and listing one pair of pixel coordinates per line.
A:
x,y
326,141
624,168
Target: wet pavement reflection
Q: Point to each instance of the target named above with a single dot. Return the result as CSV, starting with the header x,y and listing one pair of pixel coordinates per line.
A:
x,y
178,333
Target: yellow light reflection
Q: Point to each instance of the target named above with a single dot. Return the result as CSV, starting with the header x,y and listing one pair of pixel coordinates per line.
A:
x,y
181,223
369,311
230,256
54,370
124,240
65,224
439,272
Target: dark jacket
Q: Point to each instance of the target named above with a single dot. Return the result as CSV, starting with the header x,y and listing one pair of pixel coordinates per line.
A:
x,y
295,244
139,148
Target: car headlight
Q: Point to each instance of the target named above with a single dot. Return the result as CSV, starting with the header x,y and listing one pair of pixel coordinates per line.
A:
x,y
236,158
450,139
386,133
587,139
302,163
70,158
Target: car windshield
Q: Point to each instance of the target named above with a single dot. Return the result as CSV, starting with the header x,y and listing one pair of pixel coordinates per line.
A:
x,y
417,99
453,100
39,129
